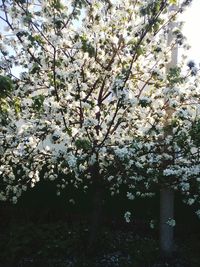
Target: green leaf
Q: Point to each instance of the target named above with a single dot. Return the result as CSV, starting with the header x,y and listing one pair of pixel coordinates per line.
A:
x,y
38,102
35,68
4,106
83,144
195,133
173,2
6,86
174,76
17,105
57,5
27,19
144,103
87,47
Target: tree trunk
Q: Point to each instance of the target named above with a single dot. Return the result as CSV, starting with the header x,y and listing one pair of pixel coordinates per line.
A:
x,y
96,220
166,213
97,212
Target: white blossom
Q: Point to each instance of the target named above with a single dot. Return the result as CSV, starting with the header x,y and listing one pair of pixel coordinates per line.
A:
x,y
171,222
127,216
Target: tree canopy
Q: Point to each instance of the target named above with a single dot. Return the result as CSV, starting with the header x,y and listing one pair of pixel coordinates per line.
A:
x,y
93,100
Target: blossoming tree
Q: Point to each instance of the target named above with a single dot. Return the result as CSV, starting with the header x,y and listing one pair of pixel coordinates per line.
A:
x,y
91,101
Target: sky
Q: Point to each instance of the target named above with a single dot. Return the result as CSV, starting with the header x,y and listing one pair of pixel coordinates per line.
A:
x,y
191,29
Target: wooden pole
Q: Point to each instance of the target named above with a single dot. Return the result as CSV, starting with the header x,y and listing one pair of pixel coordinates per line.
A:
x,y
166,193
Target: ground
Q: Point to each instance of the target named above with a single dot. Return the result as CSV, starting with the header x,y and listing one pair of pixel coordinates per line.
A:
x,y
62,244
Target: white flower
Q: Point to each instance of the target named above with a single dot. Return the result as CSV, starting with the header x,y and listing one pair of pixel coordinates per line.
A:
x,y
121,152
72,201
72,161
171,222
51,177
198,213
127,216
152,224
31,174
92,159
130,196
24,187
14,200
190,201
122,111
81,168
47,148
110,178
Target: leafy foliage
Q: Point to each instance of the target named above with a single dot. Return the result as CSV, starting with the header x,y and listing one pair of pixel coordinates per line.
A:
x,y
6,86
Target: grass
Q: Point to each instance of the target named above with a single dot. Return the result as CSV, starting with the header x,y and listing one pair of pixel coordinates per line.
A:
x,y
58,244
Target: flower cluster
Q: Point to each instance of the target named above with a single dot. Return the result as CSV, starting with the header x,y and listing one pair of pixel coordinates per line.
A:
x,y
93,98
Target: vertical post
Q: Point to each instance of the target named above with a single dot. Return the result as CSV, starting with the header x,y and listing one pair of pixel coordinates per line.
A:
x,y
166,230
166,193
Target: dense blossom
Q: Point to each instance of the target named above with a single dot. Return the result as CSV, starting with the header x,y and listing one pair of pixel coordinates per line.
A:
x,y
93,98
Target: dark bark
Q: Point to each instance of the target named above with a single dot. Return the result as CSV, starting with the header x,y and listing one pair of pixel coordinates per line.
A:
x,y
96,221
97,213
